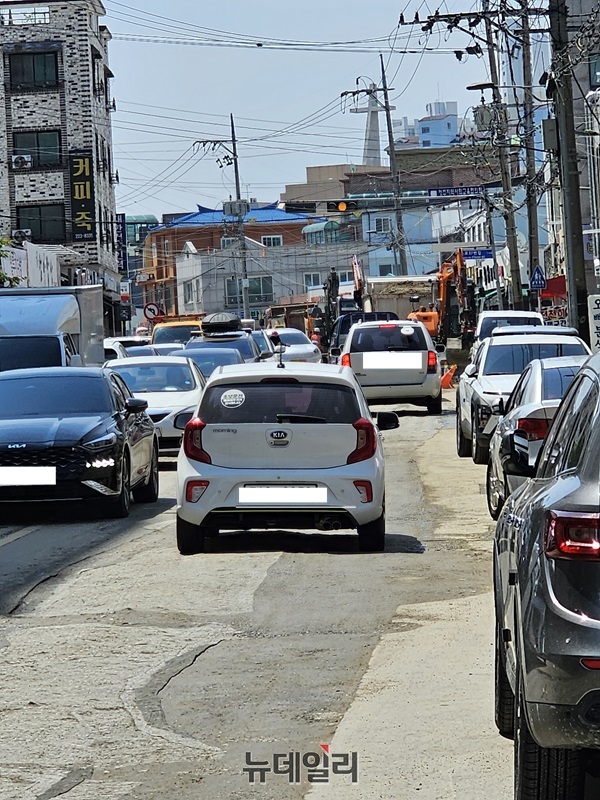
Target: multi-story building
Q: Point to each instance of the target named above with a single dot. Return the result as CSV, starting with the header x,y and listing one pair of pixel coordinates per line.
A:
x,y
56,169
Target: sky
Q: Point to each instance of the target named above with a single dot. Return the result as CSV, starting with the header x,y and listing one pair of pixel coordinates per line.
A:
x,y
284,95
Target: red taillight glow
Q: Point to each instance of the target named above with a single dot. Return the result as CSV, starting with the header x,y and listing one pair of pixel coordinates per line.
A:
x,y
571,535
366,441
432,360
192,441
365,490
194,490
591,663
533,428
387,326
346,360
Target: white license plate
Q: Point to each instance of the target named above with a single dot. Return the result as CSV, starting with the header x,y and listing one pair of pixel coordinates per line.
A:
x,y
290,495
392,360
27,476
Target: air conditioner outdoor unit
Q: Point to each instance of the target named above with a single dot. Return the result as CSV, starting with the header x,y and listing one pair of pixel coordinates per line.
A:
x,y
21,235
22,162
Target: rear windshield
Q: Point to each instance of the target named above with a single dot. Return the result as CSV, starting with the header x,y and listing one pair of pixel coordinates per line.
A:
x,y
349,320
39,351
208,360
53,397
173,333
294,337
489,323
263,402
156,377
556,381
243,345
511,359
384,339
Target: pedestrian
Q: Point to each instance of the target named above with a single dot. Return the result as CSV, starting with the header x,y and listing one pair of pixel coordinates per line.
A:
x,y
275,339
316,337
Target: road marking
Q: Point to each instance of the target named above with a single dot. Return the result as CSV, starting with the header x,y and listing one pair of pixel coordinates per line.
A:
x,y
12,537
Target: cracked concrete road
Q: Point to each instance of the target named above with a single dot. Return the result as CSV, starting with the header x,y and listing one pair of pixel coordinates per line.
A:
x,y
127,671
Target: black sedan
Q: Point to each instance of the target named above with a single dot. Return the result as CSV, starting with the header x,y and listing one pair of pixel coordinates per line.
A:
x,y
547,600
71,433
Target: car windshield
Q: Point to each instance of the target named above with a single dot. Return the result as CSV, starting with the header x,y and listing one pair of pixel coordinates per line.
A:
x,y
511,359
174,333
294,337
53,396
22,352
270,403
143,378
556,381
243,345
386,338
208,360
489,323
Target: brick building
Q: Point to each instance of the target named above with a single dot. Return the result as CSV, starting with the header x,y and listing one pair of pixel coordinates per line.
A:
x,y
56,172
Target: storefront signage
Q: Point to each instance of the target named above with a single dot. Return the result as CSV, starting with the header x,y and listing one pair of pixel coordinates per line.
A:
x,y
83,203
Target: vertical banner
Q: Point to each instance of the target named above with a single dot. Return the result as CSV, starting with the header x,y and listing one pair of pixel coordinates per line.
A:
x,y
83,202
122,256
594,320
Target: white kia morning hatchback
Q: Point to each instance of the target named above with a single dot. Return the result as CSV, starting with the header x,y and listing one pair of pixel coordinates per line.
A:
x,y
283,447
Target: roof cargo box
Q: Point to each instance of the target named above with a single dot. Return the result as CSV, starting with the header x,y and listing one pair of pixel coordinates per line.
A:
x,y
221,322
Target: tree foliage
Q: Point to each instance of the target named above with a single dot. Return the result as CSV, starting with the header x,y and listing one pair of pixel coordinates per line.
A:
x,y
7,281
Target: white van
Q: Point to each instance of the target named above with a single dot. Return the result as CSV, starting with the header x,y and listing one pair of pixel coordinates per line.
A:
x,y
488,320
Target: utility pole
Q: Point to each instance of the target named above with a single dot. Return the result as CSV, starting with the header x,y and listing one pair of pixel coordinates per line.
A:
x,y
529,125
490,225
504,159
240,215
569,170
399,243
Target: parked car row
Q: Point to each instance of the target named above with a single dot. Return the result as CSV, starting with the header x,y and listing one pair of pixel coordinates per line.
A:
x,y
529,406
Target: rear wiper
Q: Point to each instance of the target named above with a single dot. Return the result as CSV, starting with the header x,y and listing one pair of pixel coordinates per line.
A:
x,y
298,418
398,348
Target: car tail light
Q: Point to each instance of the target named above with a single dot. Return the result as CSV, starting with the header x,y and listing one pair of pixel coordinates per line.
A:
x,y
533,428
571,535
387,325
432,360
365,490
192,441
346,360
194,490
366,441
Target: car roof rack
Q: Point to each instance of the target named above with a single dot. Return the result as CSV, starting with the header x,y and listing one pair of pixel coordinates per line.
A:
x,y
221,322
538,330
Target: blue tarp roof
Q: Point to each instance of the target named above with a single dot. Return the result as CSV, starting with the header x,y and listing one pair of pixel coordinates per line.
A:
x,y
215,216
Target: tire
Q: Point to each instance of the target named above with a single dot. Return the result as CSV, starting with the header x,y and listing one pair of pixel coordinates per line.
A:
x,y
463,445
434,406
479,452
494,505
544,773
190,537
148,492
504,699
371,537
118,508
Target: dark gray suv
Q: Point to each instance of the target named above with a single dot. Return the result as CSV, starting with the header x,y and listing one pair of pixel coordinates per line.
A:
x,y
547,597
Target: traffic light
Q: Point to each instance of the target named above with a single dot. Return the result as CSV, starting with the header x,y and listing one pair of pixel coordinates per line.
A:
x,y
340,206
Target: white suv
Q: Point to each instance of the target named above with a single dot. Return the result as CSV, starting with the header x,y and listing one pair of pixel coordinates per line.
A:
x,y
292,447
394,361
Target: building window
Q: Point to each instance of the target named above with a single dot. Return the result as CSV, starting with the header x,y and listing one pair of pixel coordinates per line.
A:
x,y
312,280
595,71
385,269
167,246
188,292
33,70
260,290
227,241
426,143
46,223
425,129
383,225
346,276
272,241
43,146
448,125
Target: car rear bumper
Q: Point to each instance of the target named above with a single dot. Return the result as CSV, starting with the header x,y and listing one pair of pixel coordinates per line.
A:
x,y
223,505
566,726
404,393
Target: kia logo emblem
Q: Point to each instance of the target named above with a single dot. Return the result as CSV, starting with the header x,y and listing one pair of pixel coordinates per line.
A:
x,y
16,446
279,435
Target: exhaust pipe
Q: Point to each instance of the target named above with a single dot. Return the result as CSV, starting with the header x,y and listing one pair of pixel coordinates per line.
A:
x,y
326,525
336,525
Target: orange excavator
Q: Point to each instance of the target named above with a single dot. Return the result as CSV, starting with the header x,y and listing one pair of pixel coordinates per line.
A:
x,y
446,316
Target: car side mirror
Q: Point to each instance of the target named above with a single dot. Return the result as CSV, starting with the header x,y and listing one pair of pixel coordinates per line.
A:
x,y
75,360
267,354
515,458
500,407
440,348
181,420
135,405
387,420
470,371
336,351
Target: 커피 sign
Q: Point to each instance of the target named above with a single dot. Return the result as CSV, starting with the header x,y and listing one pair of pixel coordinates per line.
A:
x,y
83,203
